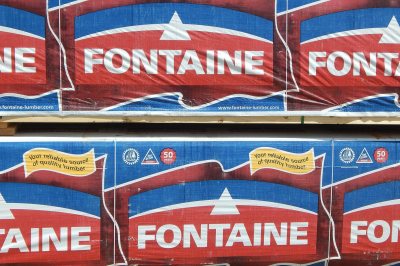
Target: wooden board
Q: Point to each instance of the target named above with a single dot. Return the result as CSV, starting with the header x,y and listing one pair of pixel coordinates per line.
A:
x,y
7,129
206,119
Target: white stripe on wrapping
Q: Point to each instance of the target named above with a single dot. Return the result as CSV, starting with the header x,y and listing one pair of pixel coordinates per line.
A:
x,y
185,27
375,205
301,7
347,33
66,5
20,32
237,202
47,208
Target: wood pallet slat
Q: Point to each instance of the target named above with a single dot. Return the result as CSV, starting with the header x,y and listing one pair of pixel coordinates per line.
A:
x,y
4,125
208,119
7,129
311,120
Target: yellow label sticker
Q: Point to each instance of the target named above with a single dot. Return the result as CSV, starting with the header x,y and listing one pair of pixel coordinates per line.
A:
x,y
271,158
42,159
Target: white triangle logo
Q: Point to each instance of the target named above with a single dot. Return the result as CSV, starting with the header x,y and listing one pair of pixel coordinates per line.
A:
x,y
5,213
174,31
391,34
225,205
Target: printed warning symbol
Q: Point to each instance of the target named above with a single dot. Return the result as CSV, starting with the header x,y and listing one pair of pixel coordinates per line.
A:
x,y
364,157
150,158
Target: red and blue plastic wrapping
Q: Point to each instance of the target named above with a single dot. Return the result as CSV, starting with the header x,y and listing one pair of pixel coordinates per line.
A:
x,y
200,57
221,201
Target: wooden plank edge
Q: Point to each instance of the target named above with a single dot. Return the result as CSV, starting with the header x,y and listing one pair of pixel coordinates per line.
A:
x,y
156,119
4,125
10,130
352,120
312,120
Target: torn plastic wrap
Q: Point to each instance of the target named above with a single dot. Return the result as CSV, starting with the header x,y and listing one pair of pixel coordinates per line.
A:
x,y
200,57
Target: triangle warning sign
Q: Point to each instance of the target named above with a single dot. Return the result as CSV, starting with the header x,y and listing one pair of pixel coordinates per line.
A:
x,y
364,157
150,158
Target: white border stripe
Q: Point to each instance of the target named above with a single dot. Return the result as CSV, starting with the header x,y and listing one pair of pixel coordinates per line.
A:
x,y
395,95
47,208
34,97
392,263
175,169
225,114
375,205
28,97
67,5
188,165
184,27
361,175
301,7
181,102
116,225
237,202
370,31
11,168
20,32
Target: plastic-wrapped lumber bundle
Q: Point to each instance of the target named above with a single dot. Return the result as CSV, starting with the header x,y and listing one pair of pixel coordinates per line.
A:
x,y
200,57
229,200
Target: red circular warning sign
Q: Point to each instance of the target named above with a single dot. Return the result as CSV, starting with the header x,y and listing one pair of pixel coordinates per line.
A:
x,y
168,156
381,155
